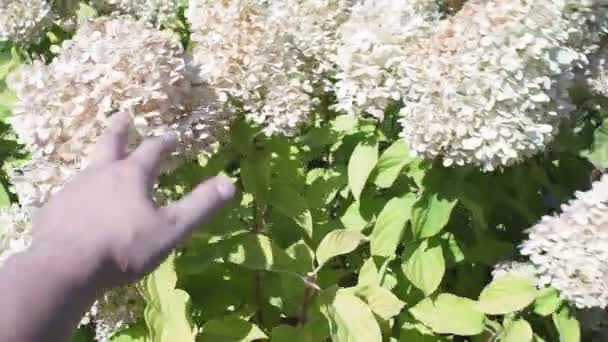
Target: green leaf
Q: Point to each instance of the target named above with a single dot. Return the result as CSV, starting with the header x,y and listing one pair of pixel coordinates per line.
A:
x,y
598,152
507,294
167,309
430,214
258,252
450,314
230,329
380,300
338,242
567,325
361,163
135,333
425,267
547,301
352,218
289,202
517,331
390,225
255,174
345,123
390,164
5,200
350,319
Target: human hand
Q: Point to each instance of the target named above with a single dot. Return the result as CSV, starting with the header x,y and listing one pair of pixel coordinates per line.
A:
x,y
105,225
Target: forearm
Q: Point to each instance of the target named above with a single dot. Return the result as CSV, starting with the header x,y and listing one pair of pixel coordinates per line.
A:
x,y
42,297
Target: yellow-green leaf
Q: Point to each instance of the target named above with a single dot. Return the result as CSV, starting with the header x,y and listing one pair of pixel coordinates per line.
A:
x,y
231,329
517,331
338,242
568,327
507,294
361,163
350,319
547,301
390,225
450,314
425,267
380,300
391,162
430,214
167,309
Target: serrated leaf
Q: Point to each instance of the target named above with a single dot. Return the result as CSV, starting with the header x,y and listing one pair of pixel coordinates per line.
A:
x,y
167,309
361,163
231,329
258,252
425,267
517,331
390,225
380,300
450,314
430,214
390,164
507,294
567,325
350,319
338,242
289,202
547,301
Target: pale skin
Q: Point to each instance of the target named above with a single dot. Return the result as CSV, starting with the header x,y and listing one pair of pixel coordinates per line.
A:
x,y
101,231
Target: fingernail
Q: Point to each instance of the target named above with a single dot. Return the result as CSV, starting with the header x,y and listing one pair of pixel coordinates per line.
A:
x,y
225,187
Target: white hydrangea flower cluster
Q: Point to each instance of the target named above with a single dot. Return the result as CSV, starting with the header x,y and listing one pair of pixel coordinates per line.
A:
x,y
156,12
24,21
570,251
516,268
489,87
63,107
115,310
15,231
242,51
373,42
312,27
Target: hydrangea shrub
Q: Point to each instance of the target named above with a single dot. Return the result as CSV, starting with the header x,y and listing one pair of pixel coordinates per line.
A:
x,y
409,170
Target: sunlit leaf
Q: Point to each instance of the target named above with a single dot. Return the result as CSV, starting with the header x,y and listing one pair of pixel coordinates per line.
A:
x,y
361,163
338,242
450,314
425,266
390,225
507,294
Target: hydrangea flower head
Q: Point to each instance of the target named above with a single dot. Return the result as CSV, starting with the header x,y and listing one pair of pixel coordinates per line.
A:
x,y
372,44
24,21
63,107
570,251
242,51
490,86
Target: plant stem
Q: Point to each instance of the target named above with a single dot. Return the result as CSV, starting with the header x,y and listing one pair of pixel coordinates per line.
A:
x,y
258,227
308,295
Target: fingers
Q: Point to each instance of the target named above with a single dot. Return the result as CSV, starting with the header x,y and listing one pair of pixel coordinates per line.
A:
x,y
151,151
112,146
197,207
